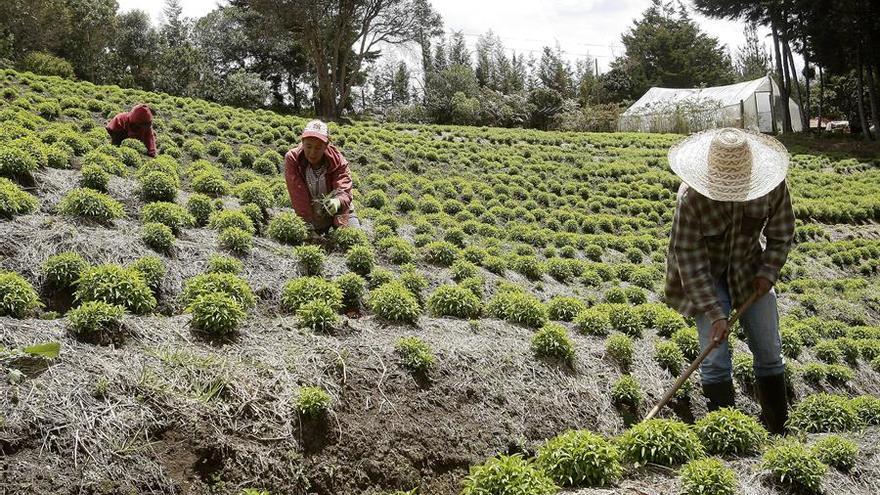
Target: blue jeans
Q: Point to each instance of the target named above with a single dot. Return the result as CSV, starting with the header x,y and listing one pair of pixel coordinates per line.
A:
x,y
761,325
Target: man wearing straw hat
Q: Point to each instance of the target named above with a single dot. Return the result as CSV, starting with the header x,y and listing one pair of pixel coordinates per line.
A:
x,y
731,234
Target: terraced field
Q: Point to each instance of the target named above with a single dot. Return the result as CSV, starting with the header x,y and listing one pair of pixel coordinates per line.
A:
x,y
506,289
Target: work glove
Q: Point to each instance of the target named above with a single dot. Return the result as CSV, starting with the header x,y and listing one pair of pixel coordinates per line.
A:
x,y
332,206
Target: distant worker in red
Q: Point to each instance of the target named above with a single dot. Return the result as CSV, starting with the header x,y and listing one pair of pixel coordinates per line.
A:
x,y
136,124
319,181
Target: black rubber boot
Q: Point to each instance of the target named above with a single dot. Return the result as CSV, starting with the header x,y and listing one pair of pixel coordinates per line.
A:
x,y
718,394
774,402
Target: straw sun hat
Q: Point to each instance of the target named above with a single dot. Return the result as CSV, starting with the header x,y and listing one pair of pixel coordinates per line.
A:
x,y
730,164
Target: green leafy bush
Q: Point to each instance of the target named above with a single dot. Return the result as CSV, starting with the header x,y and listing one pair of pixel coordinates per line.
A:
x,y
96,320
415,354
619,347
562,308
580,458
625,319
158,186
317,314
828,351
311,258
233,286
151,269
233,218
506,474
15,162
17,296
216,313
552,341
462,269
743,368
14,201
791,463
660,441
393,302
593,321
312,402
867,407
172,215
62,270
688,341
94,177
839,373
626,392
114,284
518,307
91,205
836,451
440,253
347,237
157,236
527,266
210,183
236,240
360,259
301,290
200,207
352,287
455,301
822,412
707,477
668,356
255,192
220,263
728,431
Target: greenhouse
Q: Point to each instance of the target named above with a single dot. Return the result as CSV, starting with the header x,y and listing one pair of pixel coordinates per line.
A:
x,y
754,105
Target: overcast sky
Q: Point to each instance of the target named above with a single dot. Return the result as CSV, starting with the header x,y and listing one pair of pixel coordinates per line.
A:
x,y
581,27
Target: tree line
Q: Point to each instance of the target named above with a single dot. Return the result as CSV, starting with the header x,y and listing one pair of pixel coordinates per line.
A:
x,y
331,58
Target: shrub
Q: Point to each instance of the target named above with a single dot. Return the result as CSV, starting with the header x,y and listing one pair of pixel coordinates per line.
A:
x,y
360,259
688,341
660,441
255,192
17,296
352,287
219,263
519,308
836,451
814,372
667,322
668,356
593,321
157,236
838,373
415,354
317,314
210,183
312,402
47,64
311,258
236,240
158,186
615,295
404,203
564,308
791,343
791,463
233,218
263,165
707,477
506,474
15,162
301,290
626,392
849,349
743,368
200,208
552,341
151,269
393,302
64,269
206,283
455,301
379,276
619,347
580,458
94,177
414,282
397,249
462,269
728,431
216,313
14,201
114,284
172,215
828,351
96,319
441,253
347,237
625,319
91,205
527,266
867,408
820,413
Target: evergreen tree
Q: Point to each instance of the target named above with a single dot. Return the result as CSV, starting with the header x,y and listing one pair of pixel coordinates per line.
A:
x,y
752,59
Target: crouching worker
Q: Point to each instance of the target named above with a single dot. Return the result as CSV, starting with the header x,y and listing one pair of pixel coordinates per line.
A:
x,y
136,124
731,234
319,181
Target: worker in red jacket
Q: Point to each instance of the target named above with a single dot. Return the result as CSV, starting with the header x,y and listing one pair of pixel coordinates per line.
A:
x,y
319,180
136,124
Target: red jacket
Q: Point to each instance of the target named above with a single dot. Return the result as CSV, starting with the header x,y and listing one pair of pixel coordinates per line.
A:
x,y
121,125
338,178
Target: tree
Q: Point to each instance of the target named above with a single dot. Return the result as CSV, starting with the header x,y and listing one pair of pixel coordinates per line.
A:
x,y
179,64
133,52
92,28
459,54
665,48
554,73
341,36
752,59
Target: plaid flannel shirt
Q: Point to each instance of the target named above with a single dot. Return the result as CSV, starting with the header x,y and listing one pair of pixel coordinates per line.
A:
x,y
714,239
